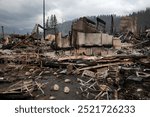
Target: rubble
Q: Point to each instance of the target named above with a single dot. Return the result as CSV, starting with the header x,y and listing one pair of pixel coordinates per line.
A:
x,y
66,89
104,77
56,87
23,88
52,97
27,73
114,68
67,80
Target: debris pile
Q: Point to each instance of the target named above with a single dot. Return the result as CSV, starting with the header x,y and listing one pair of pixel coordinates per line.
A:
x,y
22,89
117,67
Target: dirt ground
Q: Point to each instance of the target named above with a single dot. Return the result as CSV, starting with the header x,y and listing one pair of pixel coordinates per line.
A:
x,y
12,73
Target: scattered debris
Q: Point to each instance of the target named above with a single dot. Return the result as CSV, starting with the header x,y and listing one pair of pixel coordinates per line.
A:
x,y
56,87
88,73
47,72
27,73
55,73
63,72
52,97
31,70
24,88
67,80
66,89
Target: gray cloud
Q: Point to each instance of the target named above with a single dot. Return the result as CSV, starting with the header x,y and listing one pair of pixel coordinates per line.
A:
x,y
23,14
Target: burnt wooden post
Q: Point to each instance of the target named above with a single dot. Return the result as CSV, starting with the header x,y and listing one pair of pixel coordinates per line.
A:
x,y
44,19
3,32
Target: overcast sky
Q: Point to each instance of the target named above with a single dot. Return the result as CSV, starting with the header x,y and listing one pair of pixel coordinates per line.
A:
x,y
24,14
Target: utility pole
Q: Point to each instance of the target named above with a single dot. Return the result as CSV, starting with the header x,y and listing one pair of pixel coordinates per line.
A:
x,y
3,32
112,25
44,19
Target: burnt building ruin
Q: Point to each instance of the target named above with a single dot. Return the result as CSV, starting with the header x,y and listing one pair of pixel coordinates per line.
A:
x,y
128,24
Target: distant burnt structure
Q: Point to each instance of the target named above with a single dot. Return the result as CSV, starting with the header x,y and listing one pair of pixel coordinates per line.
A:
x,y
86,35
128,24
88,26
85,25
